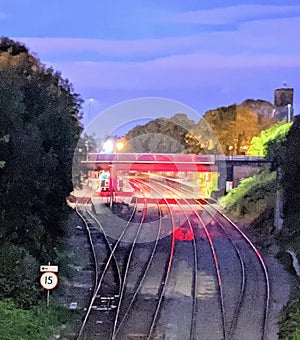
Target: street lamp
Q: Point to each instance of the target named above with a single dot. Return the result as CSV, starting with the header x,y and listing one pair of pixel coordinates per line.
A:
x,y
86,143
119,146
90,103
108,146
289,112
245,149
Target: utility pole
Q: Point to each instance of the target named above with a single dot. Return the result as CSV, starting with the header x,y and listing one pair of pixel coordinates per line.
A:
x,y
289,112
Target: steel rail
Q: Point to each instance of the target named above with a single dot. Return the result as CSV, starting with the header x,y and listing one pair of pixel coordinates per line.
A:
x,y
167,273
108,244
260,258
243,276
91,243
99,284
216,262
263,265
195,270
113,336
241,262
150,260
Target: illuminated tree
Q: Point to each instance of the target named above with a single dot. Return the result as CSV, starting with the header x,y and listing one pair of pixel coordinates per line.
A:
x,y
225,130
201,139
275,134
265,111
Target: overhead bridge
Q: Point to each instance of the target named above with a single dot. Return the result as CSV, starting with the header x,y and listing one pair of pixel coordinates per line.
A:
x,y
152,162
204,173
109,173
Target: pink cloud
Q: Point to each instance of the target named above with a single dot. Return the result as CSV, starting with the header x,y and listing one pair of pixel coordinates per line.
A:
x,y
103,47
173,72
254,37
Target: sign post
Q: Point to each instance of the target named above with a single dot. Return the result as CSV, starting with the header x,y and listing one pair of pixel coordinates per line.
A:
x,y
48,279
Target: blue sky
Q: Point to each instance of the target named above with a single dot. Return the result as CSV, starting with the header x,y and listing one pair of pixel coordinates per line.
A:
x,y
202,54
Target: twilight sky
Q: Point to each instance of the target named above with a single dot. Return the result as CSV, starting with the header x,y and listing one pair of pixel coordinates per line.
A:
x,y
204,54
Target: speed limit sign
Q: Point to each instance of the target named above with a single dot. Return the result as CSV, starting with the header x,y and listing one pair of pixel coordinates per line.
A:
x,y
49,280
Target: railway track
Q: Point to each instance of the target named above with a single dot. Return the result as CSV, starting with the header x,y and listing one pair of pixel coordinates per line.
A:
x,y
85,331
250,266
222,333
247,292
162,307
231,251
152,305
104,265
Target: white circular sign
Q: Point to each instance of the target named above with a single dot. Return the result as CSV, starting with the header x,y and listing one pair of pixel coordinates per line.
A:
x,y
49,280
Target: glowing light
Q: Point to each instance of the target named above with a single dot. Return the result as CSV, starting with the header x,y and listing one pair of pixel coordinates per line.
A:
x,y
108,146
120,146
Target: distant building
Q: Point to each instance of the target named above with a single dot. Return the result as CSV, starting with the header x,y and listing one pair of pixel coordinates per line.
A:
x,y
284,103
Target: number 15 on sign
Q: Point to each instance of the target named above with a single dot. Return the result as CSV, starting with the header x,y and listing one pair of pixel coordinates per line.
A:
x,y
49,280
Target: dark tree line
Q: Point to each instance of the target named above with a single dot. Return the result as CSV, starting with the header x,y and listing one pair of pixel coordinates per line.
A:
x,y
288,158
39,130
160,135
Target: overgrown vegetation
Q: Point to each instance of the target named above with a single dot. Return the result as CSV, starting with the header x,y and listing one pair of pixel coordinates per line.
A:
x,y
253,200
290,320
261,145
38,323
252,197
39,130
288,161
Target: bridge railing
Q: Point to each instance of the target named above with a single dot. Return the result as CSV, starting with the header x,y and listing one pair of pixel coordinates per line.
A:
x,y
150,158
244,158
167,158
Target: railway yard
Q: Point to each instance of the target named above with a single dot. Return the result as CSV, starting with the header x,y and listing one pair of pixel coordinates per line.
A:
x,y
174,269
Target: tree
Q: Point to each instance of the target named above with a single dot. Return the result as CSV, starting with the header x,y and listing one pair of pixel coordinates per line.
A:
x,y
265,111
225,130
290,168
230,129
159,136
201,139
19,275
41,115
85,144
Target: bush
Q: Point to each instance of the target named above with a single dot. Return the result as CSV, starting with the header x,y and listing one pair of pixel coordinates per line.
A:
x,y
253,195
19,275
290,320
39,323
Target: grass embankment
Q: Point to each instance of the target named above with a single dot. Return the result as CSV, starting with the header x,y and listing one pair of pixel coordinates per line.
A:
x,y
38,323
252,198
252,204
